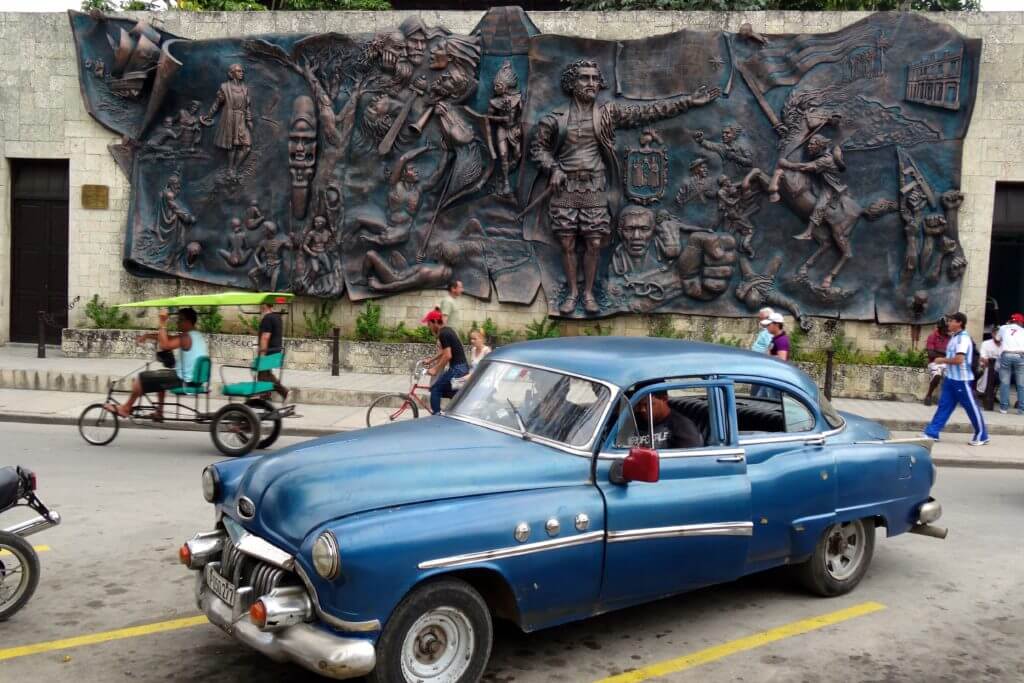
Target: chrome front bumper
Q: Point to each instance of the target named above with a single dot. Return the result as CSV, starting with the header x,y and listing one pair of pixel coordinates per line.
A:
x,y
317,650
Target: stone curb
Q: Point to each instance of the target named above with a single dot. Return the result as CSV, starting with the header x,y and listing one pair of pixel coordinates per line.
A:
x,y
35,418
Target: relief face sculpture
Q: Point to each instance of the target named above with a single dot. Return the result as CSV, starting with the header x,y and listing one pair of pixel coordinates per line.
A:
x,y
825,182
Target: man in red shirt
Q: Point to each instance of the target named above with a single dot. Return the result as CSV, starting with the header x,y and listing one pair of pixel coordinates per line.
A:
x,y
935,347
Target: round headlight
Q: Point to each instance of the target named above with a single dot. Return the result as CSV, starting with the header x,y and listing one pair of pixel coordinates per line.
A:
x,y
209,484
325,555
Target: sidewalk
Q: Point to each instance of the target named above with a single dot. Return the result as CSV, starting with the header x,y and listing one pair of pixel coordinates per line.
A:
x,y
56,389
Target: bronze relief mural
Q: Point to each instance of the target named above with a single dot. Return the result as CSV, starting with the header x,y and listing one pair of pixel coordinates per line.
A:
x,y
691,172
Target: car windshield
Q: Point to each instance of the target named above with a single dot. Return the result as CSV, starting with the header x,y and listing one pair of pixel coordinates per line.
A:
x,y
551,405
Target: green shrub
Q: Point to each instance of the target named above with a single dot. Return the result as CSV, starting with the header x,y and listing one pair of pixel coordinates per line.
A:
x,y
598,330
368,325
210,320
250,323
318,321
494,336
401,334
731,341
542,329
910,358
105,317
661,326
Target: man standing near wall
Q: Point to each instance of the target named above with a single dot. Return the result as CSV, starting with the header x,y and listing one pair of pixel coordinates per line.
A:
x,y
764,337
779,345
270,342
956,386
1011,362
450,305
935,347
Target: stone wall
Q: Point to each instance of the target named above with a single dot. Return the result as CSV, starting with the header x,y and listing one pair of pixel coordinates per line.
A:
x,y
42,116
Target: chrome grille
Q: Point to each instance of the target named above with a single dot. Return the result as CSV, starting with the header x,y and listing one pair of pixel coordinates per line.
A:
x,y
261,576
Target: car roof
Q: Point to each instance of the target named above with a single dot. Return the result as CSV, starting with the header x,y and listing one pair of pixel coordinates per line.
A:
x,y
626,361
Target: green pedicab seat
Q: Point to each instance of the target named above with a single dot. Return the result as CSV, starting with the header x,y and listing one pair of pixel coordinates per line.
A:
x,y
254,387
200,384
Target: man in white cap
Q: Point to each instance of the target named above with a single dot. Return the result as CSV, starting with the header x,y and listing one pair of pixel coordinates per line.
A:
x,y
779,345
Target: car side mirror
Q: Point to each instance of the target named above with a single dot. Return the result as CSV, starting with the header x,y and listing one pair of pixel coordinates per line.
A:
x,y
642,464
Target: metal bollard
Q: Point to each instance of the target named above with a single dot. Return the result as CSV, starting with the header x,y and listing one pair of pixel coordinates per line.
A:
x,y
41,331
830,357
335,351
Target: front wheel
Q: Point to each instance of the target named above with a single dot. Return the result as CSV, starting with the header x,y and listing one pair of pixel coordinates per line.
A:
x,y
235,429
440,633
19,573
840,559
97,425
391,408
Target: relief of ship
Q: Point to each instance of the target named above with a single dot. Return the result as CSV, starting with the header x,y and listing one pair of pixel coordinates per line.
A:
x,y
136,53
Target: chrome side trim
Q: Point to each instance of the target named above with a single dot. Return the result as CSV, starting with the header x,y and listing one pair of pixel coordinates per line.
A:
x,y
809,438
512,551
717,529
669,455
341,624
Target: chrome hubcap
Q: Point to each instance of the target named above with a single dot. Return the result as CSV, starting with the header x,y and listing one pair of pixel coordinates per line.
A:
x,y
844,549
438,647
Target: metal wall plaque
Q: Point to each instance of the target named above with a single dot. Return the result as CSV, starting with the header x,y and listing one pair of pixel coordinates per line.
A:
x,y
707,173
95,196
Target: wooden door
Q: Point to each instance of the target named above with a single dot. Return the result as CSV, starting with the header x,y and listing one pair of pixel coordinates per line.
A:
x,y
39,248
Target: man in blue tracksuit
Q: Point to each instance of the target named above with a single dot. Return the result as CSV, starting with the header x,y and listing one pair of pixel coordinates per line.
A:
x,y
956,387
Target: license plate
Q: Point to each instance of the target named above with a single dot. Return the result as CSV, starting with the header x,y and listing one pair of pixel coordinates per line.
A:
x,y
221,587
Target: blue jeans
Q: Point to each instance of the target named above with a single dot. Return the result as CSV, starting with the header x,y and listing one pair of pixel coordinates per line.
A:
x,y
442,388
954,393
1011,363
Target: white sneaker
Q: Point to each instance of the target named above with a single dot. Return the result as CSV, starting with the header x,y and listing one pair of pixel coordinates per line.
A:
x,y
977,442
1003,411
929,437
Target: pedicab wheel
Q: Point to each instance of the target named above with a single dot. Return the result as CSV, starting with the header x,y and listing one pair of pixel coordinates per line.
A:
x,y
235,429
263,408
391,408
97,425
19,573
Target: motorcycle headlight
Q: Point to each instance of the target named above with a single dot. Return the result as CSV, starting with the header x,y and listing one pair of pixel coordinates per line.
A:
x,y
325,555
210,484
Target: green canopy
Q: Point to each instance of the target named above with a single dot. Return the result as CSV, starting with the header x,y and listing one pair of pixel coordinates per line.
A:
x,y
223,299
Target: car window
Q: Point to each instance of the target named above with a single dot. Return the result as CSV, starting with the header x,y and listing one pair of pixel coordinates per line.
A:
x,y
831,415
764,409
686,425
798,417
551,405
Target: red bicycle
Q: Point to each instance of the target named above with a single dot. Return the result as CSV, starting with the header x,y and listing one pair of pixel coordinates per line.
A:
x,y
394,407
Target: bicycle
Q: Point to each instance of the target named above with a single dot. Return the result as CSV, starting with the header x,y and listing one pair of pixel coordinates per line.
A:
x,y
394,407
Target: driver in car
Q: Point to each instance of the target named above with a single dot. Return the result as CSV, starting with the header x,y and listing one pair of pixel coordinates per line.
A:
x,y
671,429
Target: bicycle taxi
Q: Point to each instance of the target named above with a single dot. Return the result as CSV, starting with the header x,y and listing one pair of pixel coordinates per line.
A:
x,y
235,427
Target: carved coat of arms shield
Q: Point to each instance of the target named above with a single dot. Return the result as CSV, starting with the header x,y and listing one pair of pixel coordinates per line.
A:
x,y
645,174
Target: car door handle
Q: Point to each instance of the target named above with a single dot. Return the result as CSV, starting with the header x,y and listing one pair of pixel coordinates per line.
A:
x,y
731,458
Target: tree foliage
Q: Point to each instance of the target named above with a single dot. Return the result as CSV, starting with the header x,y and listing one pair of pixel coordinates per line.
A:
x,y
752,5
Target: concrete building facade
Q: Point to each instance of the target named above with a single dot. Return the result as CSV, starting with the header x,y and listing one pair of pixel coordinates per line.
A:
x,y
42,116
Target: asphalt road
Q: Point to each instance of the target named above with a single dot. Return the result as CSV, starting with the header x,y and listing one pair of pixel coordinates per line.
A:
x,y
954,609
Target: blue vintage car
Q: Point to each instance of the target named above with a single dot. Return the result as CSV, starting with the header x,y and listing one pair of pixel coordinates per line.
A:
x,y
538,498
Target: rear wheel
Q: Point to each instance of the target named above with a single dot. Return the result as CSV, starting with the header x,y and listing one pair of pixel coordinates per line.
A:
x,y
19,573
97,425
391,408
440,633
235,429
840,559
263,407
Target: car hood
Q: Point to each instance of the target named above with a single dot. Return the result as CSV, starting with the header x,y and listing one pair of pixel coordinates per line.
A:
x,y
304,487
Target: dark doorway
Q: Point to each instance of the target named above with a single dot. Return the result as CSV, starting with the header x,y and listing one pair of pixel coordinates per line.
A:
x,y
39,247
1005,294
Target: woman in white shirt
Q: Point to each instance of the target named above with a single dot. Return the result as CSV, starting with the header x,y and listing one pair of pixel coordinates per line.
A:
x,y
477,350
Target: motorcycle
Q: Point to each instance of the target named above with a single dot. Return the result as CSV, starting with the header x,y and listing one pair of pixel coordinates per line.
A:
x,y
19,564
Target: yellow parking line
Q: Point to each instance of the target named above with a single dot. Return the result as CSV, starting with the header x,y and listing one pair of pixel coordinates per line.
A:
x,y
751,642
37,548
102,637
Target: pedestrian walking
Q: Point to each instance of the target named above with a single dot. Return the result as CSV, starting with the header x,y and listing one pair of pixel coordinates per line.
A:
x,y
779,344
271,341
956,383
450,305
1011,362
990,351
764,337
935,347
